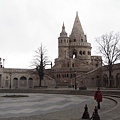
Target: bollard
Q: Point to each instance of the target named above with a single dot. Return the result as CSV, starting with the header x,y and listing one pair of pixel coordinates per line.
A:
x,y
85,114
95,115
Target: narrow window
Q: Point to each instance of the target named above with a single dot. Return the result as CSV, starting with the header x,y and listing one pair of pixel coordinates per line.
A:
x,y
74,40
73,65
83,52
74,54
80,52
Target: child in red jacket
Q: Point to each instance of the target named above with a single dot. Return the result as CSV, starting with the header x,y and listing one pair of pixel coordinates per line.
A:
x,y
98,97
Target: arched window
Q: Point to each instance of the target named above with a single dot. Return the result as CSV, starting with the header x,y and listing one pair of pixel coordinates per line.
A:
x,y
80,52
74,40
67,75
74,54
59,75
67,64
105,80
83,52
73,65
97,65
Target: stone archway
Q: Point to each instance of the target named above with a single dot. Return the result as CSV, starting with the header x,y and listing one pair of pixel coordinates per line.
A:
x,y
15,82
23,81
118,80
30,82
105,80
74,54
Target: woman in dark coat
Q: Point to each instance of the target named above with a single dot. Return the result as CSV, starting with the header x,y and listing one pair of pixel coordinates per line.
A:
x,y
98,97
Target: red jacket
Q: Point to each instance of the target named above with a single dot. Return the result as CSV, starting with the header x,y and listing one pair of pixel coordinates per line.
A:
x,y
98,96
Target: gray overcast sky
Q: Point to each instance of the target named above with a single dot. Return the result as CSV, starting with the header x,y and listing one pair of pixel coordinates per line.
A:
x,y
25,24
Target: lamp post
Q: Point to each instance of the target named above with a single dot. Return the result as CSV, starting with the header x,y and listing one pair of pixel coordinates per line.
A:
x,y
10,79
70,78
98,81
75,82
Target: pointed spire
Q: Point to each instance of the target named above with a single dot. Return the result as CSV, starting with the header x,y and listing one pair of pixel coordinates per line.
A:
x,y
77,13
63,27
77,24
63,33
77,31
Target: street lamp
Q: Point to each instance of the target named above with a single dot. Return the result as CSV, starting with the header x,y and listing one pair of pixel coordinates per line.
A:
x,y
10,79
70,78
75,82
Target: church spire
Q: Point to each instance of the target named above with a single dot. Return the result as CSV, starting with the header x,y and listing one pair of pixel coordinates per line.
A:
x,y
77,25
77,30
77,13
63,33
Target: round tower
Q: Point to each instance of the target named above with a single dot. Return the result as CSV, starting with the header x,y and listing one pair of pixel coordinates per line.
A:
x,y
63,44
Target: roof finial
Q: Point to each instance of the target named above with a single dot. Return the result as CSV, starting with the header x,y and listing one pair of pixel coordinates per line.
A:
x,y
77,13
63,33
63,25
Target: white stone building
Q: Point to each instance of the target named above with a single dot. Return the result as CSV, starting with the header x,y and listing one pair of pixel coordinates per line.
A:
x,y
75,66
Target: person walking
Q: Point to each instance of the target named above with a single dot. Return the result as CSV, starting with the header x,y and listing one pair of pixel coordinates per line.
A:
x,y
98,97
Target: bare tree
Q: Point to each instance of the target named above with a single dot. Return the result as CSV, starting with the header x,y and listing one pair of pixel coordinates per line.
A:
x,y
109,47
40,61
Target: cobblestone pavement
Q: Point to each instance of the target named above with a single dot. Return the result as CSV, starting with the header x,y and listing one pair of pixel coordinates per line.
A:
x,y
55,107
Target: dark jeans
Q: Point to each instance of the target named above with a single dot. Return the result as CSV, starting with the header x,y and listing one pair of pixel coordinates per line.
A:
x,y
98,105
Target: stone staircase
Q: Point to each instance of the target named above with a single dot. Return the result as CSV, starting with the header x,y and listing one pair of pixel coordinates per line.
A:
x,y
90,78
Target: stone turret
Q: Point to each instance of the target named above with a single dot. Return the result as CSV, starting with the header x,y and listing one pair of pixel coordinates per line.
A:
x,y
63,33
79,47
63,43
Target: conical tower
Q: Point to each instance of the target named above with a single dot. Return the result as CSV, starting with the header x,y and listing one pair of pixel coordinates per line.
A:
x,y
79,47
77,34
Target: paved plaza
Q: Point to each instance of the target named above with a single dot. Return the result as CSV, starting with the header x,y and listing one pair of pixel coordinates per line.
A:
x,y
37,104
51,107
